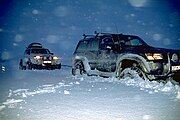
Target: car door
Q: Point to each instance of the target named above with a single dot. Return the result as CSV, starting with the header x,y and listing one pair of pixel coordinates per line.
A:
x,y
92,53
106,55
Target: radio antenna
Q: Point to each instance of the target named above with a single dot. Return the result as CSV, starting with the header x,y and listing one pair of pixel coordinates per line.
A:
x,y
116,28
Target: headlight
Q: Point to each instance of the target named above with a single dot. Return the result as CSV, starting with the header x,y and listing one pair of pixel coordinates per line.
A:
x,y
37,57
55,58
154,56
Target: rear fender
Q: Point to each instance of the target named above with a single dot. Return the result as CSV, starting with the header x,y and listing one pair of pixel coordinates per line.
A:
x,y
84,60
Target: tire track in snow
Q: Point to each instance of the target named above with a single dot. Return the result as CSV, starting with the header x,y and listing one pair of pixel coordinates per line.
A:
x,y
19,95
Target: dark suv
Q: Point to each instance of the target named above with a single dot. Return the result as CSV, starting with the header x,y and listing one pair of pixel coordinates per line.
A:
x,y
119,55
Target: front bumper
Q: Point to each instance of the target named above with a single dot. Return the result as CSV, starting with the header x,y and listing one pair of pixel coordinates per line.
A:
x,y
162,70
46,66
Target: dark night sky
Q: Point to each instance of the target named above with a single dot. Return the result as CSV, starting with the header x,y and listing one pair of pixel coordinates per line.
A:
x,y
59,24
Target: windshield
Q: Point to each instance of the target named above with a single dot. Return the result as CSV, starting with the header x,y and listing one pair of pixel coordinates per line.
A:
x,y
40,51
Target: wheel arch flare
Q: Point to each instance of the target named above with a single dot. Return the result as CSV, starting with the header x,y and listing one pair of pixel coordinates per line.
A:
x,y
130,59
84,60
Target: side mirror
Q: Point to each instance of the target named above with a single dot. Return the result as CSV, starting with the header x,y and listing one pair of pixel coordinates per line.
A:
x,y
51,53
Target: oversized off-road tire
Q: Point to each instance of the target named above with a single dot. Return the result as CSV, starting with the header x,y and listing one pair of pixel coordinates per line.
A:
x,y
132,72
59,67
21,67
78,69
29,66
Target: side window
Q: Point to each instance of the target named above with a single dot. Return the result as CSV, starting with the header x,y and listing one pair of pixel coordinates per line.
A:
x,y
107,43
82,46
135,42
93,45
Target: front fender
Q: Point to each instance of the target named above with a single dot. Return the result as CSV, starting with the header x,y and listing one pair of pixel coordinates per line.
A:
x,y
24,61
139,59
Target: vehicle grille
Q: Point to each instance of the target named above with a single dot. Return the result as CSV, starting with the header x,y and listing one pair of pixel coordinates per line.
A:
x,y
47,58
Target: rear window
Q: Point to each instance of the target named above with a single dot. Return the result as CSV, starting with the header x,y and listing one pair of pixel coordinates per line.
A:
x,y
82,46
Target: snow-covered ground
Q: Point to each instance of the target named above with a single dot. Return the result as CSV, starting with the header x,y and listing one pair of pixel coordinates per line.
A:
x,y
58,25
57,95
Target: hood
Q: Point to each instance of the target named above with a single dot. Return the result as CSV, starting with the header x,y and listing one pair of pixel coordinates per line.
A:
x,y
174,55
150,49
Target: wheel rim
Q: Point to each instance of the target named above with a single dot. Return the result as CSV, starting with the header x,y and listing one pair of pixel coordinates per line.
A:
x,y
29,66
79,69
20,65
132,72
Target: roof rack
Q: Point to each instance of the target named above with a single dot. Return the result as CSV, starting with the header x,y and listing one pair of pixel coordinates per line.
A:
x,y
112,34
97,34
35,45
85,36
103,33
106,33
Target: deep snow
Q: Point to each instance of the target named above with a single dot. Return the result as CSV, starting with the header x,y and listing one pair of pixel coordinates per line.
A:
x,y
57,95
